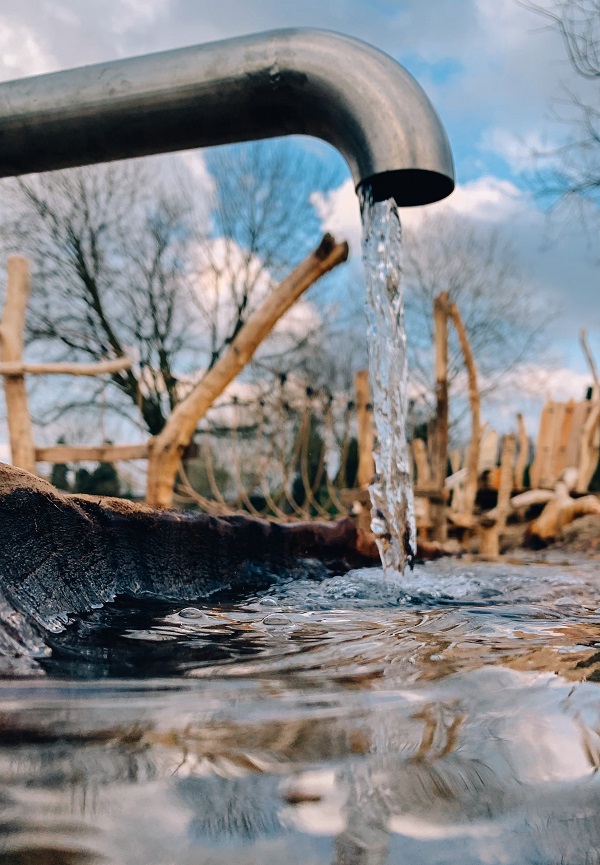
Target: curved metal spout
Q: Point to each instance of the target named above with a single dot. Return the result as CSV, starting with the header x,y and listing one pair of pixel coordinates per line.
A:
x,y
286,82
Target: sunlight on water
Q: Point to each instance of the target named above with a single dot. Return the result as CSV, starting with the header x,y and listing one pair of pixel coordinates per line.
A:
x,y
391,492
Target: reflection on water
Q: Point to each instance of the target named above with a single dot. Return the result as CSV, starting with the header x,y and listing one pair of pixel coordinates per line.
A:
x,y
451,717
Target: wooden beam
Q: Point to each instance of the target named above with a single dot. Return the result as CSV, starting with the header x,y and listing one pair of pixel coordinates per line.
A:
x,y
90,369
100,454
20,428
364,421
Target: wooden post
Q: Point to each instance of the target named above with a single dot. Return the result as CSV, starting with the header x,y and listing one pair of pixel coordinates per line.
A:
x,y
12,329
470,486
588,454
523,454
364,420
167,448
493,522
439,455
422,503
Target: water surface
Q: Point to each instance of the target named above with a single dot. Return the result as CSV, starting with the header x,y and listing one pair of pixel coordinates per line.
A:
x,y
452,716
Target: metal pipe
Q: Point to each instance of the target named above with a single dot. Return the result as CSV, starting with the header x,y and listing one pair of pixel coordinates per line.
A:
x,y
306,82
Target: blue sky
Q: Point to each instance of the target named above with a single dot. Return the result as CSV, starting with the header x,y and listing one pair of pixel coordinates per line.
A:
x,y
491,68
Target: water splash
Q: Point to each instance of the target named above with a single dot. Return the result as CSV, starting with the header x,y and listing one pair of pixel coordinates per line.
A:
x,y
392,509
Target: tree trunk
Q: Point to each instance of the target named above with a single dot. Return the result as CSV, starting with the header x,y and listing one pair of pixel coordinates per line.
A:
x,y
20,428
167,448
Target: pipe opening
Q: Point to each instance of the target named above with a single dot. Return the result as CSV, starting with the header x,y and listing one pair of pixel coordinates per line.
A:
x,y
409,187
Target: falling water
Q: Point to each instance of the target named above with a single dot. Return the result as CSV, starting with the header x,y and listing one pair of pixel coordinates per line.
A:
x,y
391,492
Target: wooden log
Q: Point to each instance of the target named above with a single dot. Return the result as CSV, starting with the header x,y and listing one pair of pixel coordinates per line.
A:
x,y
560,510
103,367
20,429
439,452
521,463
493,522
470,486
364,419
65,554
531,497
168,447
100,453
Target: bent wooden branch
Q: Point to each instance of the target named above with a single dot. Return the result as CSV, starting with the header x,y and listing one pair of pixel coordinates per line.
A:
x,y
470,487
167,448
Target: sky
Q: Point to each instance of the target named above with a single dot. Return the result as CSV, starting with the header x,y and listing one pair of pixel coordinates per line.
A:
x,y
492,68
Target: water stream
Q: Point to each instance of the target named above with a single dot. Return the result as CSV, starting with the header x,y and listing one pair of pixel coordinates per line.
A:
x,y
391,491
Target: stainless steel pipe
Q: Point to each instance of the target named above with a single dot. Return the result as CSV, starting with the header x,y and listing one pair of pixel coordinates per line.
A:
x,y
287,82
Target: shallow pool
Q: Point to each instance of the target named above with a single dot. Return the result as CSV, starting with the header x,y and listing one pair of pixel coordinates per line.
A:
x,y
452,716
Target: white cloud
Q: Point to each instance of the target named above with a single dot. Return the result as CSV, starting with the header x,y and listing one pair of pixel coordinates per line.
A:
x,y
129,14
339,213
22,52
521,152
488,199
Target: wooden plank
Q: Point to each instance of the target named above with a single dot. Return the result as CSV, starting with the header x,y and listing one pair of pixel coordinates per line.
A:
x,y
20,428
101,454
364,421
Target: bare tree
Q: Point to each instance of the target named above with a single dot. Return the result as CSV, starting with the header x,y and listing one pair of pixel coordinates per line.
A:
x,y
109,261
570,172
479,270
123,265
